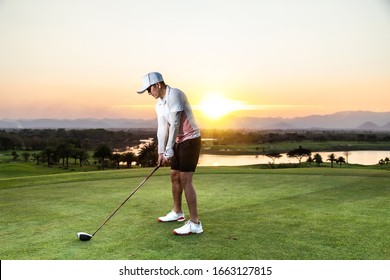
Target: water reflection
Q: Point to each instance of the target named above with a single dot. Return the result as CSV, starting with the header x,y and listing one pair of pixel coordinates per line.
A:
x,y
357,157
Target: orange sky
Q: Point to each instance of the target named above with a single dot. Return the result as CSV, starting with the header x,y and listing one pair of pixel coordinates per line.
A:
x,y
74,59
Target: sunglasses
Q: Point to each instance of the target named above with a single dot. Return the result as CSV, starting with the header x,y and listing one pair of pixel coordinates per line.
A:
x,y
149,89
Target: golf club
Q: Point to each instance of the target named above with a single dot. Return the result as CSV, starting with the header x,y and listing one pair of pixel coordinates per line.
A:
x,y
83,236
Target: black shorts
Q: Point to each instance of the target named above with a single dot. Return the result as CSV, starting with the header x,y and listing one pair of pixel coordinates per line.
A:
x,y
186,156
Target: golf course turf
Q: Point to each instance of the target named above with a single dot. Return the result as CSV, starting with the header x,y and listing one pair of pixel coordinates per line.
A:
x,y
246,212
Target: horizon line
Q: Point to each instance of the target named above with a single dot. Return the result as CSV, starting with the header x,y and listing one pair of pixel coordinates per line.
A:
x,y
147,119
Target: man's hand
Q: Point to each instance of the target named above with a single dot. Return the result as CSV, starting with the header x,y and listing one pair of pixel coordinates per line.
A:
x,y
169,153
165,158
163,161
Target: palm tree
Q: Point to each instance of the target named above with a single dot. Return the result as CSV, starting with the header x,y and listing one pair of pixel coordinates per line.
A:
x,y
128,157
318,159
102,152
117,159
340,160
148,155
331,158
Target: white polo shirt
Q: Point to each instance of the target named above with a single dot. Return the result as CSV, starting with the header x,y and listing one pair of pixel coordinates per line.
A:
x,y
175,101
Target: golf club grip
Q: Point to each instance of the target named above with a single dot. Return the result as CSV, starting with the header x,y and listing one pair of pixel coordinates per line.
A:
x,y
127,198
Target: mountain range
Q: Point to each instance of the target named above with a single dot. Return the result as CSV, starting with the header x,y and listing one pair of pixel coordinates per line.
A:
x,y
356,120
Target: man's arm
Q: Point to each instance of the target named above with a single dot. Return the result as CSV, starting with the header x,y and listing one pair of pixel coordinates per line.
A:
x,y
162,133
173,131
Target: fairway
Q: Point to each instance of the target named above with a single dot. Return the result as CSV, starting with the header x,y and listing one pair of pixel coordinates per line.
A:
x,y
247,213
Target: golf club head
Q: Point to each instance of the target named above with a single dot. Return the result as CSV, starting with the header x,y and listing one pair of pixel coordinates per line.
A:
x,y
83,236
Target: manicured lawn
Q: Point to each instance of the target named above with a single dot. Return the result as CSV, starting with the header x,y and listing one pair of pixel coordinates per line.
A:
x,y
19,168
247,213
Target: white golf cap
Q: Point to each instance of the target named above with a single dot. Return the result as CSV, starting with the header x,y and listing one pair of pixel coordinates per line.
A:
x,y
150,79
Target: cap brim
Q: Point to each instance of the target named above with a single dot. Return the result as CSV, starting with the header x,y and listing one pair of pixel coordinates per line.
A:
x,y
142,90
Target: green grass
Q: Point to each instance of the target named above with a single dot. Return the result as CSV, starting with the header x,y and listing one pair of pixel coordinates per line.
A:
x,y
247,213
9,168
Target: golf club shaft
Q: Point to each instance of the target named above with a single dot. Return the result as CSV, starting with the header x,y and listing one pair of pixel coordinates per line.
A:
x,y
127,198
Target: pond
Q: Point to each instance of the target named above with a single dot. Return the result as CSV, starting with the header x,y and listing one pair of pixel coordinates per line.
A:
x,y
357,157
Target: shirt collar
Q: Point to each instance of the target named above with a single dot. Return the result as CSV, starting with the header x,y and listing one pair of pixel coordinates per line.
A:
x,y
165,98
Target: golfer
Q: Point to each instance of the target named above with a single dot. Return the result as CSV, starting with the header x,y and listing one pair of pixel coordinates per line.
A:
x,y
179,144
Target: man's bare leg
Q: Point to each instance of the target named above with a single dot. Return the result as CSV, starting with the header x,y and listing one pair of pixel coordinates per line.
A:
x,y
177,191
190,194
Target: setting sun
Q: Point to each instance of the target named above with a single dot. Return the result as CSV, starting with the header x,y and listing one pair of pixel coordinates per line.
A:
x,y
215,106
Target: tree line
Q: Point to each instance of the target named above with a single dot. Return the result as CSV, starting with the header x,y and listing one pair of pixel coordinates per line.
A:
x,y
58,146
103,156
88,146
302,153
88,139
37,139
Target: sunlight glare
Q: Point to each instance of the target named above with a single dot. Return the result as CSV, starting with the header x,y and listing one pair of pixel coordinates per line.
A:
x,y
215,106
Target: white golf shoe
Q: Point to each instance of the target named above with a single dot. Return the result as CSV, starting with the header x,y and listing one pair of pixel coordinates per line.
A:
x,y
172,217
189,228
